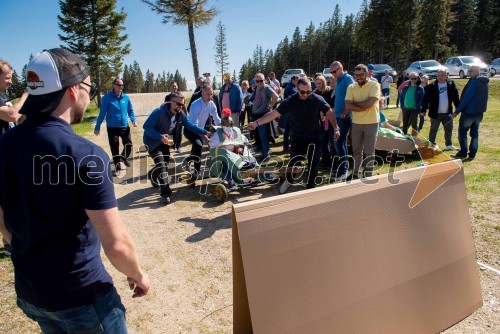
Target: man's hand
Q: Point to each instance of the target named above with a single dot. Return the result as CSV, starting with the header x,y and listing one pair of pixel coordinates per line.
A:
x,y
422,114
97,132
206,137
343,115
134,124
453,115
164,139
336,135
140,287
252,126
209,134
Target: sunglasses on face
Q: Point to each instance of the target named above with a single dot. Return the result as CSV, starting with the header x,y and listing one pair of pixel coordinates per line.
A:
x,y
413,78
179,104
305,92
119,85
92,90
334,71
259,81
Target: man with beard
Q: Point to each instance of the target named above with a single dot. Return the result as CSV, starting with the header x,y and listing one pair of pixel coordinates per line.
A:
x,y
57,206
158,137
362,99
304,109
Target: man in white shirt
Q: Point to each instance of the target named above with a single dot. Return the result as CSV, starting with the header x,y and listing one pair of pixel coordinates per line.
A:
x,y
200,111
385,82
438,99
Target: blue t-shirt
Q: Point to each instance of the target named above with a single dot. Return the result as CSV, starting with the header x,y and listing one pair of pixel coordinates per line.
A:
x,y
382,119
51,177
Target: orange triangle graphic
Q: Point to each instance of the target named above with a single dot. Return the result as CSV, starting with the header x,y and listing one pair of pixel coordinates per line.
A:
x,y
432,178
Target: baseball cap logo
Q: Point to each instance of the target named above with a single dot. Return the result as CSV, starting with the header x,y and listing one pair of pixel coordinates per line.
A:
x,y
34,80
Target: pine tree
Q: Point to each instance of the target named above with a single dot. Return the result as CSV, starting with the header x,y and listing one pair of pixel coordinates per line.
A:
x,y
94,30
432,35
16,89
462,34
138,78
193,13
221,56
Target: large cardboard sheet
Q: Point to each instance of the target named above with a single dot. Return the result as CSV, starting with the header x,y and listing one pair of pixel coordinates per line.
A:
x,y
355,258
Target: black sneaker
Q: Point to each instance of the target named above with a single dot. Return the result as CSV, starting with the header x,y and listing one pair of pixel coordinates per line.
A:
x,y
351,177
459,155
126,162
165,199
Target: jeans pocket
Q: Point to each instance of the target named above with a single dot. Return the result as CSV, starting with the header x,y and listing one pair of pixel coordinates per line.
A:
x,y
82,320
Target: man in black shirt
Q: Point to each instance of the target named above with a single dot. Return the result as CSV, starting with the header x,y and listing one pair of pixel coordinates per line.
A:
x,y
304,109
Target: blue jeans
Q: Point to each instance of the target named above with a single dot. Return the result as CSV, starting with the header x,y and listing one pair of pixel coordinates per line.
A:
x,y
105,315
264,138
340,145
386,92
469,121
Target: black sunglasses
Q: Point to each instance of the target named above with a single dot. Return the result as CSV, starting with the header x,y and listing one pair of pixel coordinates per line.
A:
x,y
119,85
305,92
179,104
413,78
259,81
334,71
92,90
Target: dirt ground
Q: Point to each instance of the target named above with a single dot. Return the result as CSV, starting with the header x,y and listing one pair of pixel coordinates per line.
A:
x,y
185,248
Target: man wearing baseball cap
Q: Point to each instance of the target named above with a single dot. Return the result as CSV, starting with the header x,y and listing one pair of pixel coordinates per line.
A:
x,y
57,205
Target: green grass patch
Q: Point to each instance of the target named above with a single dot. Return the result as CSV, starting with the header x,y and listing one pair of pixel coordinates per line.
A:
x,y
87,125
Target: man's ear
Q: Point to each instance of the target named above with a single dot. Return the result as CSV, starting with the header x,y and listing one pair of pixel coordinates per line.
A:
x,y
74,91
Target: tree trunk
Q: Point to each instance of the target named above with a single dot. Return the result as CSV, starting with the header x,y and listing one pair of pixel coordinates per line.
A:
x,y
194,54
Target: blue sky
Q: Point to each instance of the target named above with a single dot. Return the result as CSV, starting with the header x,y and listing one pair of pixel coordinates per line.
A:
x,y
29,26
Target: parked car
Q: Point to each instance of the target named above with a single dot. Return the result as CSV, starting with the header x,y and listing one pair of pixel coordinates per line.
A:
x,y
287,76
327,74
429,67
379,71
494,67
460,65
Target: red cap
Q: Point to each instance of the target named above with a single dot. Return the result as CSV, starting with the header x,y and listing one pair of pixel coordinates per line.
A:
x,y
226,111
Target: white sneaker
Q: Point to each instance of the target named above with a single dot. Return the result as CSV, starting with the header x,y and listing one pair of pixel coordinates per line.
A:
x,y
284,187
341,177
450,148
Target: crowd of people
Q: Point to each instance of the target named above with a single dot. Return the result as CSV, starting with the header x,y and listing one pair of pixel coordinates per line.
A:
x,y
59,276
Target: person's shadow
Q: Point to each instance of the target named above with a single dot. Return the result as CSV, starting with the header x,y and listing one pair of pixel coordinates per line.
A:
x,y
207,226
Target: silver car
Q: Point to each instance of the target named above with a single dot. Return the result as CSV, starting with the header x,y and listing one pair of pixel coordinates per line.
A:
x,y
429,67
494,67
460,65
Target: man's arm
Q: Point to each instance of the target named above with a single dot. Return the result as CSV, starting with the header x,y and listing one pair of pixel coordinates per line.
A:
x,y
268,117
102,114
359,106
119,248
330,114
215,116
469,93
6,234
131,114
274,99
11,113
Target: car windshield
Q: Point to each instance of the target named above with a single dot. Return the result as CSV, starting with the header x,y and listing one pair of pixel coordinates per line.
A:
x,y
429,63
326,71
470,60
293,72
379,67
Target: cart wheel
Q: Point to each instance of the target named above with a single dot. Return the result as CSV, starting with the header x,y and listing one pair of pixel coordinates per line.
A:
x,y
221,193
426,153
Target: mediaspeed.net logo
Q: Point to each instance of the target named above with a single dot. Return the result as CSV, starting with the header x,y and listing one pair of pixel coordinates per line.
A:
x,y
34,80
